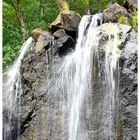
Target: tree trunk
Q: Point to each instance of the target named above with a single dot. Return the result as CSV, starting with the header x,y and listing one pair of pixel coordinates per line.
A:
x,y
41,7
89,7
20,15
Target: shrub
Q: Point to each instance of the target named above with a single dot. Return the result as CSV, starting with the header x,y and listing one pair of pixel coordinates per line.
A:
x,y
134,22
123,20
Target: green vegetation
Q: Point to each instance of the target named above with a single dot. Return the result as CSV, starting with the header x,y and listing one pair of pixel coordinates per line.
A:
x,y
95,6
37,13
133,21
20,17
123,20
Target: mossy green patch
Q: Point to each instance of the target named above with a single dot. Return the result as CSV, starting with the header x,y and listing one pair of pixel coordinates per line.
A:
x,y
123,20
134,22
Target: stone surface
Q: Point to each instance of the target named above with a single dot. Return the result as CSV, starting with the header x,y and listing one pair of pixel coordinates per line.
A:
x,y
126,127
65,44
67,20
38,68
44,40
113,12
128,87
36,32
60,33
131,5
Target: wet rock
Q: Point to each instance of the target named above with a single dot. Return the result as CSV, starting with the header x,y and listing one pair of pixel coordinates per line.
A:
x,y
34,95
113,12
107,30
67,20
44,40
37,70
128,87
60,33
65,45
127,114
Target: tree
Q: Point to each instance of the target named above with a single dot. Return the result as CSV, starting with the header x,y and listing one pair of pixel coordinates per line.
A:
x,y
18,7
20,17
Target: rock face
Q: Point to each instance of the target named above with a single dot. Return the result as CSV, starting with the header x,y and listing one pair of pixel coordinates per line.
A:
x,y
128,87
44,39
39,67
126,124
36,33
131,5
113,12
36,68
60,33
67,20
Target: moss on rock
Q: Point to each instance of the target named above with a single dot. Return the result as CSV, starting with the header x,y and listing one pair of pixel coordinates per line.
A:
x,y
123,20
134,22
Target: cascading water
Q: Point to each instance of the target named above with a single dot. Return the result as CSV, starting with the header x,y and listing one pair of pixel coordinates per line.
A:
x,y
80,87
74,81
12,90
112,54
73,88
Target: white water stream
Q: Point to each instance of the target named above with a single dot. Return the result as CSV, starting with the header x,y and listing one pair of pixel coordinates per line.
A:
x,y
74,81
112,54
73,85
12,90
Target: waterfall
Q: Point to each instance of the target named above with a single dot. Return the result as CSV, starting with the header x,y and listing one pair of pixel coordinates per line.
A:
x,y
112,54
12,90
69,87
73,83
80,78
73,87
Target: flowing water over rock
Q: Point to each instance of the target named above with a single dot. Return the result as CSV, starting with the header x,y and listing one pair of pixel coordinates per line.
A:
x,y
86,93
73,85
12,90
112,54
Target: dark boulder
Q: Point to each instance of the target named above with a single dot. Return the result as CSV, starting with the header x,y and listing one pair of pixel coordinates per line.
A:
x,y
113,12
128,87
65,45
131,5
59,33
67,20
43,39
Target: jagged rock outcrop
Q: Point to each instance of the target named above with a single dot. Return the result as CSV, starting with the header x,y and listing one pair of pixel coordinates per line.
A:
x,y
43,38
36,33
131,5
67,20
128,87
47,55
113,12
126,123
60,33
